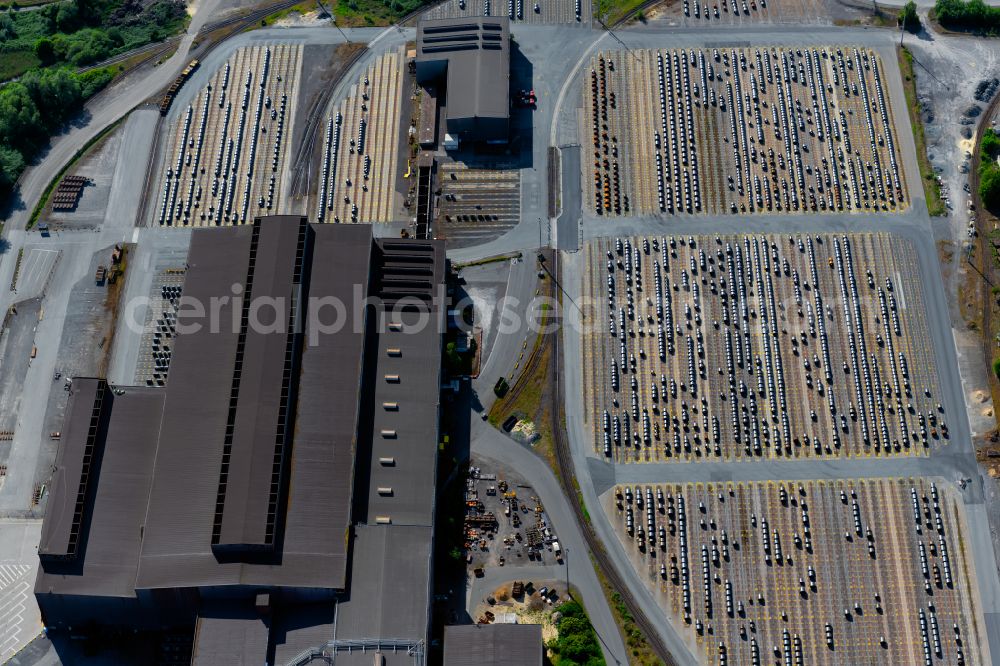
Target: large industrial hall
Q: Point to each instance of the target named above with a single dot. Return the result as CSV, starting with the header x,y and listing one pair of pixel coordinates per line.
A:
x,y
277,497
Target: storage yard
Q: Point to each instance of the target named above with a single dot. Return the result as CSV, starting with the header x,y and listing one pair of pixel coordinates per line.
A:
x,y
812,572
156,348
226,155
736,347
520,11
477,205
360,150
505,523
741,131
736,12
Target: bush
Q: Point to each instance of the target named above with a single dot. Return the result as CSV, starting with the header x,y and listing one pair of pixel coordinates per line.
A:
x,y
973,15
908,17
989,171
577,642
996,367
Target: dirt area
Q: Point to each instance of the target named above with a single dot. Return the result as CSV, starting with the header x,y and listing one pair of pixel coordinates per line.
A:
x,y
528,607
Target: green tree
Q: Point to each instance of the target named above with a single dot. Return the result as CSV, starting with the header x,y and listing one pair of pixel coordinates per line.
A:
x,y
45,50
56,92
8,30
11,166
908,17
990,144
989,186
67,17
21,124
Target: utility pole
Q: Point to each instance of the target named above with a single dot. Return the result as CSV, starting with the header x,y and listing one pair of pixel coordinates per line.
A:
x,y
566,561
333,19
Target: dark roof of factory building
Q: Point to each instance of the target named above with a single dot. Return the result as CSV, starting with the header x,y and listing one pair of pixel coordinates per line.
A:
x,y
229,634
493,645
301,627
183,520
195,485
477,50
112,516
390,562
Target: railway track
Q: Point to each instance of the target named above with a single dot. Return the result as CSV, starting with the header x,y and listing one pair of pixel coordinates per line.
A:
x,y
311,130
566,478
982,235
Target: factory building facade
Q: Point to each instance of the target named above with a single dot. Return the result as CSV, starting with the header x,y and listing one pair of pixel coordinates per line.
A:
x,y
472,56
276,498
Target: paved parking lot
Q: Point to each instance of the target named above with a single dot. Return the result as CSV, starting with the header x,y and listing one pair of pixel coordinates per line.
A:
x,y
35,270
701,13
20,621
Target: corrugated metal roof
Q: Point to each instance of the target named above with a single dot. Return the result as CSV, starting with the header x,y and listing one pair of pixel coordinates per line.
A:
x,y
176,550
229,634
493,645
264,396
478,53
73,460
300,628
164,448
110,550
390,584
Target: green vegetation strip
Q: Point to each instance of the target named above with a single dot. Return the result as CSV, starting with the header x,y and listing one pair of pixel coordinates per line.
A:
x,y
989,170
974,15
44,199
373,12
17,268
577,641
932,189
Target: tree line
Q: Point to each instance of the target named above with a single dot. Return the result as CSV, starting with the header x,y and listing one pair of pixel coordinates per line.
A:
x,y
968,14
33,108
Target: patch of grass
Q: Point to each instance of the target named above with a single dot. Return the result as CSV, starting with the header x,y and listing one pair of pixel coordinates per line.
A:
x,y
353,13
16,63
302,8
932,189
613,11
112,303
526,398
639,651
